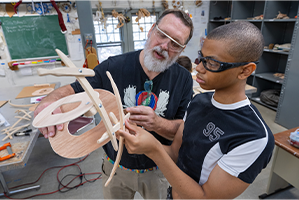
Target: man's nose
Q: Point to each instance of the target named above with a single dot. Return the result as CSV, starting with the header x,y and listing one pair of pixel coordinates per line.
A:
x,y
164,44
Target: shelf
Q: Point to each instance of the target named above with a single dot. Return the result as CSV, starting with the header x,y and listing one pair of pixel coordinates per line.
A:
x,y
280,20
222,20
38,64
258,100
270,77
277,51
248,20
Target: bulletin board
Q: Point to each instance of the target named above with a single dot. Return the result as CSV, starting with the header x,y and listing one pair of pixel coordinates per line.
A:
x,y
33,36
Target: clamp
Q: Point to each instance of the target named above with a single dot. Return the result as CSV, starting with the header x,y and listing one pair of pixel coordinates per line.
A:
x,y
10,153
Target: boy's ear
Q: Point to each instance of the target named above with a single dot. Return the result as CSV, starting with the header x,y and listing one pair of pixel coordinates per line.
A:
x,y
247,70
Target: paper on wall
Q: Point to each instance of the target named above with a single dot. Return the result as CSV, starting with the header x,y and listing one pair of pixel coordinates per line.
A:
x,y
75,48
26,71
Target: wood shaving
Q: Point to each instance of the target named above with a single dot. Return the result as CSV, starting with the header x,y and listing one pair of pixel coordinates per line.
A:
x,y
165,4
281,16
142,12
103,18
121,18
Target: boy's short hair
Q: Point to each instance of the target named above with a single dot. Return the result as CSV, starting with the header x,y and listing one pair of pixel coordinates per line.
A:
x,y
244,40
185,62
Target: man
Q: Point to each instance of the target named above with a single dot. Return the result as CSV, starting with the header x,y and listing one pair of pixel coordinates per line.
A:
x,y
224,143
155,90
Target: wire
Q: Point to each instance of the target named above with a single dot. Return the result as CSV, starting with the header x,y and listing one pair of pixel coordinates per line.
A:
x,y
61,186
86,44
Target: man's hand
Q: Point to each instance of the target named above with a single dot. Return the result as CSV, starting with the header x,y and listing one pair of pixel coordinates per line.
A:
x,y
48,131
50,98
144,116
139,141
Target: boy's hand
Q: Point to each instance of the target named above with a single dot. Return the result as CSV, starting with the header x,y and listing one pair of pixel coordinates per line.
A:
x,y
144,116
139,141
48,131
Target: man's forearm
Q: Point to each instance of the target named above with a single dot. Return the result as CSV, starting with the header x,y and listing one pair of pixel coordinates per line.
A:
x,y
168,128
59,93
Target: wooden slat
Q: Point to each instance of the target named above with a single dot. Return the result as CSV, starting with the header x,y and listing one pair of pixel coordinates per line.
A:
x,y
73,146
95,100
45,118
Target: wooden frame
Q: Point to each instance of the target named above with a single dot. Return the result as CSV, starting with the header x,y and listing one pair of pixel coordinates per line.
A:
x,y
70,146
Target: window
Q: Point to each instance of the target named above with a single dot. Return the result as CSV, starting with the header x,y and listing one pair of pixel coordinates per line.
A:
x,y
139,37
111,41
108,40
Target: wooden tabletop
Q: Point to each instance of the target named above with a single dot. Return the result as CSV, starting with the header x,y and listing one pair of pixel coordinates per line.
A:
x,y
281,140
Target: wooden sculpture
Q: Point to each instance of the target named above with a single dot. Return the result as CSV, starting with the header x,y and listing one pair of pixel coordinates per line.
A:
x,y
13,129
89,103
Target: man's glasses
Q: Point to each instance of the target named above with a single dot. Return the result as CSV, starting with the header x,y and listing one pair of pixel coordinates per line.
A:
x,y
213,65
172,45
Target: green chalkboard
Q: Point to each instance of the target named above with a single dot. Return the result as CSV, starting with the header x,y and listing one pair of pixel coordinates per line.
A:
x,y
33,36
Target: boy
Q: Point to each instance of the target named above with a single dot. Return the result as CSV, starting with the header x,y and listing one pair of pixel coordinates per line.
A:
x,y
224,143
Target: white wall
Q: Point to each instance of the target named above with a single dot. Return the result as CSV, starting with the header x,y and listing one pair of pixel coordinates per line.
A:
x,y
200,24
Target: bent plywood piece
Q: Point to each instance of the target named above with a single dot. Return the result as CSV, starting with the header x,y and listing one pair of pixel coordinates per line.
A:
x,y
95,100
73,146
122,127
46,118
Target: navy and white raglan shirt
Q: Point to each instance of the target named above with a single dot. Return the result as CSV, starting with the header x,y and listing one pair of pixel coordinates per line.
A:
x,y
172,89
234,136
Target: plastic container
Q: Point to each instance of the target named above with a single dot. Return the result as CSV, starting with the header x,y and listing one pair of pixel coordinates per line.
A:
x,y
294,138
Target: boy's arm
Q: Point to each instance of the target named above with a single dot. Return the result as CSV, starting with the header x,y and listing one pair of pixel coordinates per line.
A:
x,y
173,149
220,184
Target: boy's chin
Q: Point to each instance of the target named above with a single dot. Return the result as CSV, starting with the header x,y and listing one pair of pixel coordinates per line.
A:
x,y
205,87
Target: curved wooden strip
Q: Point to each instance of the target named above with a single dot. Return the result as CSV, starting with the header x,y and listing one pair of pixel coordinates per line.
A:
x,y
121,121
72,146
96,101
23,111
20,105
45,118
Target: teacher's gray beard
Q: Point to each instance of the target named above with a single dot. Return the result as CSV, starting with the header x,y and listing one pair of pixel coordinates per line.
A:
x,y
153,64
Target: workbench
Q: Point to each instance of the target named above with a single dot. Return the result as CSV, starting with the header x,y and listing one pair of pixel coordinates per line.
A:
x,y
21,146
285,166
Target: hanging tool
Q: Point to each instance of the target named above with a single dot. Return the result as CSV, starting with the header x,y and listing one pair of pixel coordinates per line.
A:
x,y
10,153
23,133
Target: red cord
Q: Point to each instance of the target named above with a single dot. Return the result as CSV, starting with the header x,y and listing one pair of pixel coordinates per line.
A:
x,y
16,6
60,18
86,44
64,186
